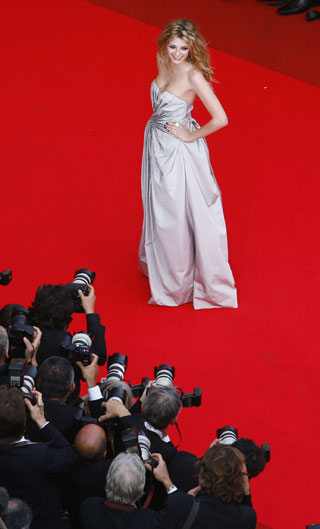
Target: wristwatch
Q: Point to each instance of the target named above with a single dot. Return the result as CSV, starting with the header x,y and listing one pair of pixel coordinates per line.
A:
x,y
171,489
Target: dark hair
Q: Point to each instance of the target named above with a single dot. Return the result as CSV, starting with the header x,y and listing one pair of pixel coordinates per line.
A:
x,y
220,473
12,415
161,406
255,460
18,514
56,375
4,341
52,307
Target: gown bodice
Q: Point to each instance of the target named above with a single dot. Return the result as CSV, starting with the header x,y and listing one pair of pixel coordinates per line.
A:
x,y
168,107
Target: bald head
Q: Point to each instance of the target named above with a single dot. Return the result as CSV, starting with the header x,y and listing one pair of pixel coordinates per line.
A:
x,y
4,344
91,443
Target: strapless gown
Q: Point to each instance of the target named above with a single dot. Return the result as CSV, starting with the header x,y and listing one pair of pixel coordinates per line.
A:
x,y
183,248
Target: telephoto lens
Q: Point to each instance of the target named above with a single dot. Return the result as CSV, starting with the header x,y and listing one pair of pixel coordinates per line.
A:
x,y
82,342
227,435
116,394
164,375
82,278
117,365
144,444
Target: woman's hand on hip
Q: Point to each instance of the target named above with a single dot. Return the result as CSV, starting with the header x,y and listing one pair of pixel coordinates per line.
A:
x,y
180,131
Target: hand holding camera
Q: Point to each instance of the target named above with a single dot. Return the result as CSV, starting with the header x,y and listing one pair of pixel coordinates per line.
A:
x,y
32,347
90,372
36,410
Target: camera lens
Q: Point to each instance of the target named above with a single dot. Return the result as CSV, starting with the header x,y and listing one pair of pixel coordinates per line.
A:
x,y
164,375
81,339
117,365
84,276
227,435
144,444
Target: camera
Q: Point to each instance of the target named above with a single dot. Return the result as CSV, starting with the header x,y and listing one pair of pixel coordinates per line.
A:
x,y
164,375
16,372
116,367
191,399
82,278
138,389
79,350
5,277
119,394
227,435
19,329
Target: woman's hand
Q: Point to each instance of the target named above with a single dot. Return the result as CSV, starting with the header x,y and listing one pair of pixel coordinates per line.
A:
x,y
180,131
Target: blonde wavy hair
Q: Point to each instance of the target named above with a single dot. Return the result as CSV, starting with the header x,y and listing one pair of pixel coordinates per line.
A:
x,y
198,52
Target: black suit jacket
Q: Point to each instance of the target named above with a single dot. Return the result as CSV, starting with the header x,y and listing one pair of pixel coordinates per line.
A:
x,y
29,471
213,513
95,514
62,416
52,338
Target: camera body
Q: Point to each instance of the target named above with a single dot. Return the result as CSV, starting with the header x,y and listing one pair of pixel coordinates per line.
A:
x,y
82,278
5,277
79,350
18,330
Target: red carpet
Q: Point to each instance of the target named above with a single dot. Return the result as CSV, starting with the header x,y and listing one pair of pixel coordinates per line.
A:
x,y
75,96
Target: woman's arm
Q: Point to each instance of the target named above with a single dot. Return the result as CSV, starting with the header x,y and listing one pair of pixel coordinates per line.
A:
x,y
218,116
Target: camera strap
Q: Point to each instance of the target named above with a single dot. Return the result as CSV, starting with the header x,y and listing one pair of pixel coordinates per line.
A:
x,y
192,515
180,436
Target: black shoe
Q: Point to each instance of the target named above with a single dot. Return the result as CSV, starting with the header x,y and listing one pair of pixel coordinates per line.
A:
x,y
297,6
312,15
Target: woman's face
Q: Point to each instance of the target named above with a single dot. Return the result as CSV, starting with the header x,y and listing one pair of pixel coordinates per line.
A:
x,y
177,50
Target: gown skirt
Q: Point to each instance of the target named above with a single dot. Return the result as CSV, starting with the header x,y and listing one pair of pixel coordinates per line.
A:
x,y
183,248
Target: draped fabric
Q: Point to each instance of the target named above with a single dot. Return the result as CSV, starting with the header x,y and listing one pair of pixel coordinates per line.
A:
x,y
183,248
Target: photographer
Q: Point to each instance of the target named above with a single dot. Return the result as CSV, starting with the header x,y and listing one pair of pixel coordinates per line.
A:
x,y
30,353
125,485
222,500
56,384
51,311
161,407
28,470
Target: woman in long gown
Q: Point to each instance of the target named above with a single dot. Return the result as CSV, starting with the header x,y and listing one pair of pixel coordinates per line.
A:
x,y
183,248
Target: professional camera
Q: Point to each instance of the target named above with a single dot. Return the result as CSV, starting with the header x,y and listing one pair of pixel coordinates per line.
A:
x,y
5,277
16,370
138,389
164,375
19,329
138,443
119,394
227,435
191,399
79,350
82,278
116,367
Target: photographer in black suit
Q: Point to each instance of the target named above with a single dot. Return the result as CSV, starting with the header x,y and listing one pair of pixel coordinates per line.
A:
x,y
56,384
28,470
30,358
51,311
221,501
124,487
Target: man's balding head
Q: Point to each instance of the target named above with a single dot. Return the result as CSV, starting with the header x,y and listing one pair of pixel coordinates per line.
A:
x,y
91,442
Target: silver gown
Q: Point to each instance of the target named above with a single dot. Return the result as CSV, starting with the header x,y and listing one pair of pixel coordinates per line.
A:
x,y
183,248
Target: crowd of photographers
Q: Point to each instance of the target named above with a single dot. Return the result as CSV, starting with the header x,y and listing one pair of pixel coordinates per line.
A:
x,y
104,460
